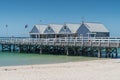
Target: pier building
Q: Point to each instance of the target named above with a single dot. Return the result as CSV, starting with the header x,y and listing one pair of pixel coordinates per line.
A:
x,y
85,29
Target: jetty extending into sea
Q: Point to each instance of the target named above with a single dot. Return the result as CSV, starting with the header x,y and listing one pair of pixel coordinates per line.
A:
x,y
78,46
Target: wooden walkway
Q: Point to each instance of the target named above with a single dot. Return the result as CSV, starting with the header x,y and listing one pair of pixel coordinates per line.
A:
x,y
38,45
76,41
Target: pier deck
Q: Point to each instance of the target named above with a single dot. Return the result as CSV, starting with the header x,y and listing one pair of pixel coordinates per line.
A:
x,y
68,46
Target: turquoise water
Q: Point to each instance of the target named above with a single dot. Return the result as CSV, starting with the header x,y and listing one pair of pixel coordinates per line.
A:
x,y
14,59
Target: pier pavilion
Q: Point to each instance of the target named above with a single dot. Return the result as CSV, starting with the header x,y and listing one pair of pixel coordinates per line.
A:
x,y
85,29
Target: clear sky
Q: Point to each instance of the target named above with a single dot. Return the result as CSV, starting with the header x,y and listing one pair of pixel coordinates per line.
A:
x,y
17,13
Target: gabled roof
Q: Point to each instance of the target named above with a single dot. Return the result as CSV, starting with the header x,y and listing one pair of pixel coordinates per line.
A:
x,y
34,30
65,30
56,27
41,28
73,27
49,30
96,27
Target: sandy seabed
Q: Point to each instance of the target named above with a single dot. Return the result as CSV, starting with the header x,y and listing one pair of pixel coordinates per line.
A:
x,y
84,70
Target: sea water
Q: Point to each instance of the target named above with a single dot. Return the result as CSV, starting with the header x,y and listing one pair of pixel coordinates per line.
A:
x,y
15,59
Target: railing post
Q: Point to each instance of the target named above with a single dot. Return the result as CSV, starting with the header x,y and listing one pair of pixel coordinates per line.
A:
x,y
99,42
54,40
91,42
60,41
75,41
66,40
82,41
46,41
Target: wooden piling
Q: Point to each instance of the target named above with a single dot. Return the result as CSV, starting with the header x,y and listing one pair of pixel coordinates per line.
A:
x,y
99,52
116,52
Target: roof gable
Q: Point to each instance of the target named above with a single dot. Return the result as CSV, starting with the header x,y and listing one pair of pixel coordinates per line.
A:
x,y
49,30
65,30
83,30
34,30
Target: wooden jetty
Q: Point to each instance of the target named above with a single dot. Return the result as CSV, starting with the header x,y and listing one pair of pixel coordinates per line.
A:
x,y
78,46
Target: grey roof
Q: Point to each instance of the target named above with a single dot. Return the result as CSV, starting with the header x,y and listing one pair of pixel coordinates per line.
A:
x,y
56,27
41,28
96,27
73,27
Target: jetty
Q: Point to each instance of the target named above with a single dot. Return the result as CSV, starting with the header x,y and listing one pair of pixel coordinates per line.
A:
x,y
77,46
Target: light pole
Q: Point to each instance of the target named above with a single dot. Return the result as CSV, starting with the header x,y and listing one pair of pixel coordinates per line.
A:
x,y
6,30
66,32
27,33
39,30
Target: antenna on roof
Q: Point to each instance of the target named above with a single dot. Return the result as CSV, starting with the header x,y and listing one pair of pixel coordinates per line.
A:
x,y
83,19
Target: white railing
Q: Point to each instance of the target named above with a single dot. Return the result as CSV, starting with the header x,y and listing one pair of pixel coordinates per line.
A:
x,y
59,40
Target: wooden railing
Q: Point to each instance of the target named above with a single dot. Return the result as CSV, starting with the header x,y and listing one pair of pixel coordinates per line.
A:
x,y
71,41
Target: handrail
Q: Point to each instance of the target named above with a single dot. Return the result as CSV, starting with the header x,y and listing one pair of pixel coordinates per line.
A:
x,y
58,40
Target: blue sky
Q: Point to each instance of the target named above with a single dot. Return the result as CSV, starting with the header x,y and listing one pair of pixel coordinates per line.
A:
x,y
17,13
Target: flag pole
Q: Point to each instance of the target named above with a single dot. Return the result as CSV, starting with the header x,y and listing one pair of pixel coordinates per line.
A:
x,y
26,26
39,29
6,30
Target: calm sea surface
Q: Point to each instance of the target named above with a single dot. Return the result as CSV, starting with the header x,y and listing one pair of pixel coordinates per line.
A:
x,y
15,59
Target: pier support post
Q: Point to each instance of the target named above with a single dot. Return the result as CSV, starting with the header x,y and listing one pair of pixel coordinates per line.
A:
x,y
67,51
91,52
99,53
107,52
13,48
116,52
82,51
75,50
40,50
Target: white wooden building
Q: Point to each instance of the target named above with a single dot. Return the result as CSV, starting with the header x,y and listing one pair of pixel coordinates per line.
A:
x,y
69,30
89,29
